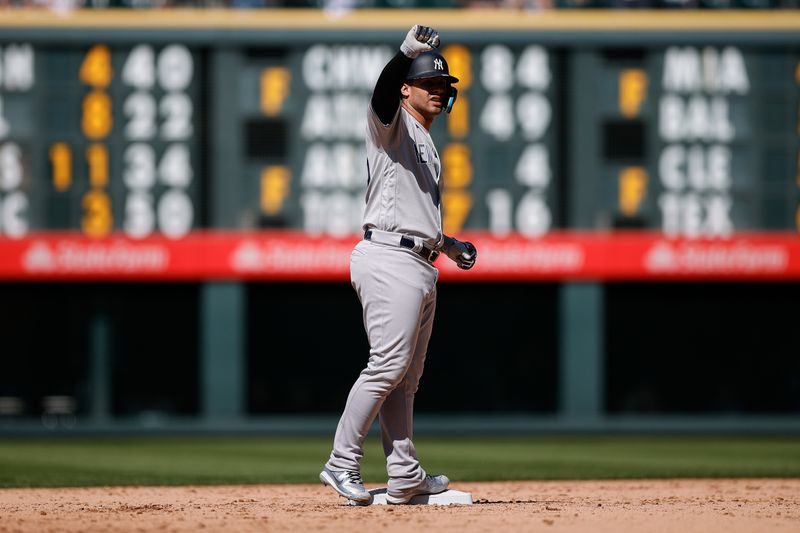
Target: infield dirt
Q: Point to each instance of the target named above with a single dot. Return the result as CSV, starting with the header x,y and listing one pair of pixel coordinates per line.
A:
x,y
684,505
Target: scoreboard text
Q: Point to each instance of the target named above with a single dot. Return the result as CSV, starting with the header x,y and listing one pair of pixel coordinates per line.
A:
x,y
151,139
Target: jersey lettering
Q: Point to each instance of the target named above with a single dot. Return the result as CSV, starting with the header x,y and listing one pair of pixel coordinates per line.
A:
x,y
422,153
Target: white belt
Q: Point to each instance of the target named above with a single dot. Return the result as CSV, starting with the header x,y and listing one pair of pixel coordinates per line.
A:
x,y
413,243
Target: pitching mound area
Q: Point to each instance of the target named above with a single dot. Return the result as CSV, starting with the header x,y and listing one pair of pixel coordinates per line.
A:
x,y
724,506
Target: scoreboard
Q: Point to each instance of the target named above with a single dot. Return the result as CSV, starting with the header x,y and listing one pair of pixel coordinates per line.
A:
x,y
100,138
495,145
589,156
207,144
708,138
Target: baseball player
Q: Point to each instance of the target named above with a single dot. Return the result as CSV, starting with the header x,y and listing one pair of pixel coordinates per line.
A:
x,y
392,269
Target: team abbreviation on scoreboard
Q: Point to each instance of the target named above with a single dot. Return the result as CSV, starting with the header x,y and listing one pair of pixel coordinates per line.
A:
x,y
17,78
701,87
333,176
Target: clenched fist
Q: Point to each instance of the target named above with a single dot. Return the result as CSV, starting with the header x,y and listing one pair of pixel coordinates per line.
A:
x,y
419,39
463,253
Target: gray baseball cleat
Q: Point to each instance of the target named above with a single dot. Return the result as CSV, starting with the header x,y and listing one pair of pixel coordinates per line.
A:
x,y
430,485
348,484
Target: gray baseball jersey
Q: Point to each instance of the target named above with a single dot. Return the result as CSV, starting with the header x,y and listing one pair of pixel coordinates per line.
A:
x,y
404,190
397,290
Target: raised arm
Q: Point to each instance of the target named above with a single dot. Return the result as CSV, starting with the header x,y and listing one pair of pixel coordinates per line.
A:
x,y
386,96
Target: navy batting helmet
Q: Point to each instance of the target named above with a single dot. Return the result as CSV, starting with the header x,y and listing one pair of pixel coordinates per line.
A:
x,y
433,65
430,65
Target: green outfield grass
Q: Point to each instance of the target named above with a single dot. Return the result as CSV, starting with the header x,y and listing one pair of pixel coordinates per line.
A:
x,y
180,461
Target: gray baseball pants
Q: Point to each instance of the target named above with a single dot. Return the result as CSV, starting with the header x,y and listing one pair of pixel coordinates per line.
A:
x,y
397,290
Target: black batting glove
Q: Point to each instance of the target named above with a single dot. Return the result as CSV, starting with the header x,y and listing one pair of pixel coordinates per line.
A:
x,y
463,253
467,258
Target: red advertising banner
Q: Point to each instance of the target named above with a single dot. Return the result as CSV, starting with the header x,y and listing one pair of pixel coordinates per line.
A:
x,y
292,255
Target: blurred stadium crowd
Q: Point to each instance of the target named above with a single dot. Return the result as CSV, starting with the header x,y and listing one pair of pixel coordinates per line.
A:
x,y
359,4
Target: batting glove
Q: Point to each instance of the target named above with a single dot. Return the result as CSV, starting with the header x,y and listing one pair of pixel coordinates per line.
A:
x,y
466,259
419,39
463,254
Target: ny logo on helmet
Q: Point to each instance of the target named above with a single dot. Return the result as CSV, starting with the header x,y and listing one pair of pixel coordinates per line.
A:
x,y
437,64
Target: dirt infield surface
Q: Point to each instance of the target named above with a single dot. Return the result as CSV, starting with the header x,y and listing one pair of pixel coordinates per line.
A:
x,y
729,506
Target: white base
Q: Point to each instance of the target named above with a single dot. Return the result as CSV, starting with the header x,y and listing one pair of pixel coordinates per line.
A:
x,y
447,497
